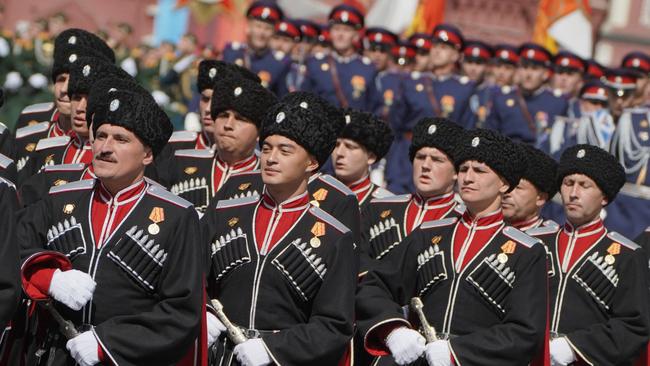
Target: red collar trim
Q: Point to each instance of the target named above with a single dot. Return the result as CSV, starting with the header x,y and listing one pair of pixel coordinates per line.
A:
x,y
296,203
126,195
446,199
238,166
590,228
485,221
528,224
361,185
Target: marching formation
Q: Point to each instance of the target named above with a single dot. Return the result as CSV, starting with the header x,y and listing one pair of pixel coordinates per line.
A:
x,y
334,209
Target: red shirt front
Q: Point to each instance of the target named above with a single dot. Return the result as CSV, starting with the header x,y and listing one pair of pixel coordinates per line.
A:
x,y
55,130
420,210
221,171
528,224
573,242
361,188
272,220
108,211
472,234
78,151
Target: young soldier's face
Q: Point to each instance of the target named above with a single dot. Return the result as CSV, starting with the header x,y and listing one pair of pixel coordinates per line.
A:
x,y
61,98
259,34
504,73
351,160
234,134
582,199
478,184
474,70
378,57
531,77
422,61
343,36
569,82
523,202
283,44
433,172
443,54
284,162
119,156
204,110
79,124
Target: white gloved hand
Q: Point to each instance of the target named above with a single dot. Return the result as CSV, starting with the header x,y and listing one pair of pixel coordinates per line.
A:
x,y
37,81
72,288
406,345
561,352
13,81
160,97
438,353
252,353
83,348
215,327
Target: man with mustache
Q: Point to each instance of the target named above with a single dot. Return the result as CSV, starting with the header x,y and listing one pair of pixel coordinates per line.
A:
x,y
598,289
385,222
238,104
364,141
69,45
73,147
284,269
523,205
481,282
117,254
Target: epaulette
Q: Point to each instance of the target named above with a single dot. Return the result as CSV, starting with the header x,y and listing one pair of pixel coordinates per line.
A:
x,y
38,107
439,223
520,236
623,240
324,216
460,208
165,195
7,182
463,79
5,161
65,167
380,193
236,202
182,136
366,60
79,185
151,181
51,142
336,184
30,130
549,227
3,128
194,153
392,199
636,190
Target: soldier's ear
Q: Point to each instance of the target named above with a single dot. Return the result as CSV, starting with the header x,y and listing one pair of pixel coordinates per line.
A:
x,y
372,158
148,156
312,165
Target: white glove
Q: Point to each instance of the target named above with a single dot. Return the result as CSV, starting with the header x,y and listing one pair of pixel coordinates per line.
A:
x,y
83,348
13,81
561,352
72,288
438,353
252,353
406,345
37,81
160,97
215,327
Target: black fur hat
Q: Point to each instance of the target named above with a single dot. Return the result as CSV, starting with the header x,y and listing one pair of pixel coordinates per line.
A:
x,y
211,71
247,97
302,122
105,85
88,70
541,169
137,113
334,115
438,132
498,152
73,43
369,131
595,163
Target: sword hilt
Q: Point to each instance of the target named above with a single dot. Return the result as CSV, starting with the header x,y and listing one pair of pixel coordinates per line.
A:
x,y
235,334
428,330
66,327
